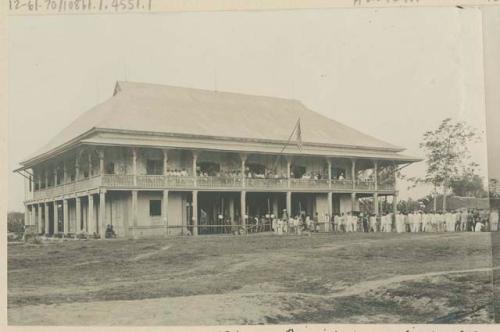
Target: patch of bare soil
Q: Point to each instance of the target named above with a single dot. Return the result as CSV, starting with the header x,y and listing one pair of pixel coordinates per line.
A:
x,y
390,300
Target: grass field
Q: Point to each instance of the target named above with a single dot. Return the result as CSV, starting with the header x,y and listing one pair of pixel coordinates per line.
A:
x,y
258,279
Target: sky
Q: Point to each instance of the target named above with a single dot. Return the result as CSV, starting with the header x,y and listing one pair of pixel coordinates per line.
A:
x,y
392,73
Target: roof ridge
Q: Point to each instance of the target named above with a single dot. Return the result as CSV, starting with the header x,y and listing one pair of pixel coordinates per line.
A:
x,y
119,88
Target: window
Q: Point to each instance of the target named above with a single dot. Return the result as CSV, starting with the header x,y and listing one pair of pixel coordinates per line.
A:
x,y
110,168
154,167
155,207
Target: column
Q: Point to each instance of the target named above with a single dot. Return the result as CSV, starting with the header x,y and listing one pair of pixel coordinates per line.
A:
x,y
134,165
164,210
65,216
90,215
46,178
289,203
102,213
243,208
33,220
195,212
288,170
39,209
376,208
65,173
329,163
395,203
375,173
27,215
56,218
353,201
231,210
134,207
46,219
330,204
78,219
89,153
243,158
195,161
353,173
77,169
101,162
165,161
55,176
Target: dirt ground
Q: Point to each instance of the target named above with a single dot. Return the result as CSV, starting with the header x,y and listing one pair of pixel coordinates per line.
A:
x,y
256,279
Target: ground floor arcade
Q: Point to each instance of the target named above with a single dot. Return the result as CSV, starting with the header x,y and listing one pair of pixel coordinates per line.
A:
x,y
146,213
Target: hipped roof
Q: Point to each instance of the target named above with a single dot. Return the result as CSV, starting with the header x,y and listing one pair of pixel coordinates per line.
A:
x,y
144,107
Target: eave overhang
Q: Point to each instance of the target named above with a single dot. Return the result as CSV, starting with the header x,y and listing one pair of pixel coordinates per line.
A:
x,y
115,137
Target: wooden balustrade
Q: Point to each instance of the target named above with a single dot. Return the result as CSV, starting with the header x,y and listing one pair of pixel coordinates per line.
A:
x,y
210,182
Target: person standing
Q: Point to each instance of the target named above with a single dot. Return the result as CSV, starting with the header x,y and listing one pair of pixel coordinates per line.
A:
x,y
494,220
373,223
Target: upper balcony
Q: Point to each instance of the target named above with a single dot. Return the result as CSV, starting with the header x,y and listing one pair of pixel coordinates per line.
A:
x,y
208,183
150,169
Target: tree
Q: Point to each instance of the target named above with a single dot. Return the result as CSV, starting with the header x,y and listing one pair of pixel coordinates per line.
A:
x,y
494,188
447,154
468,184
15,222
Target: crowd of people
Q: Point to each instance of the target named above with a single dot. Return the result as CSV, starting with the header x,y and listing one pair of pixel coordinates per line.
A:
x,y
464,220
177,172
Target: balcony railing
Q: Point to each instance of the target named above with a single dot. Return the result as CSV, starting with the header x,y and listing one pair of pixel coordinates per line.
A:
x,y
67,188
188,182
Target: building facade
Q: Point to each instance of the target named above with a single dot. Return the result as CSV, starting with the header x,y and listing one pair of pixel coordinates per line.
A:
x,y
157,160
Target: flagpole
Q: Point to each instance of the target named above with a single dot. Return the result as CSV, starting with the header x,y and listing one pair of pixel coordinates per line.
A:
x,y
288,141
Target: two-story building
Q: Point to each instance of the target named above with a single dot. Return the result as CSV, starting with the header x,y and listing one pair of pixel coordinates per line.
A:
x,y
155,160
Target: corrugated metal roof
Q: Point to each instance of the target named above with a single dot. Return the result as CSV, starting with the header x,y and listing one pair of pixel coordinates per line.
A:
x,y
177,110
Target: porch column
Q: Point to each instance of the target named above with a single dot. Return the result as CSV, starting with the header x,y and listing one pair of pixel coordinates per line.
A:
x,y
195,212
353,173
46,178
395,203
90,215
243,208
78,220
77,169
329,163
90,162
27,215
395,197
46,220
231,210
353,201
288,170
134,165
330,204
39,209
56,218
164,210
165,166
165,161
101,161
289,203
134,207
243,158
65,216
102,213
65,173
376,208
55,176
375,173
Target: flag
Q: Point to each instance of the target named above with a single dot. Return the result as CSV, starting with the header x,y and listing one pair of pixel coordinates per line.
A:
x,y
298,135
